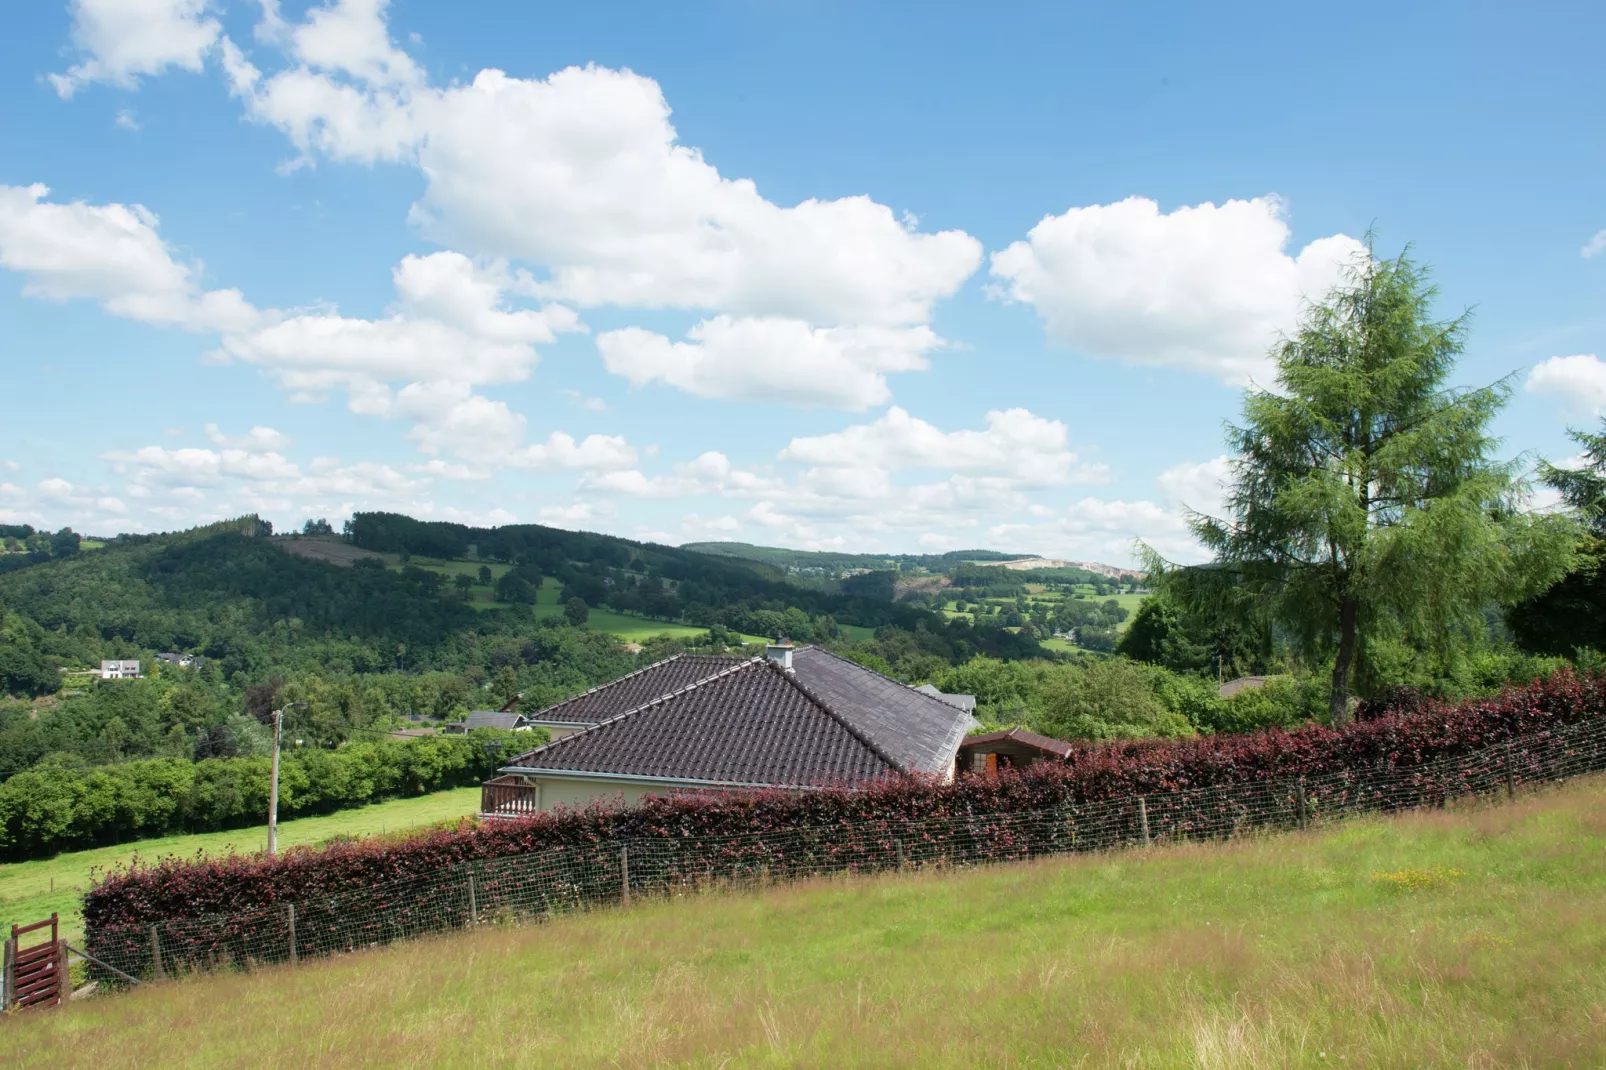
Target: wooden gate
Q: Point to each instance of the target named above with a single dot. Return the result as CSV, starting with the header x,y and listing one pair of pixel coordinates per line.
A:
x,y
35,976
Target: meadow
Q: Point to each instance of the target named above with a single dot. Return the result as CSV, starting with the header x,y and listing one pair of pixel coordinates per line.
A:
x,y
1472,936
30,891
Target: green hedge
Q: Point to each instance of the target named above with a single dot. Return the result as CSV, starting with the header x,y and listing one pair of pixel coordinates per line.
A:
x,y
60,806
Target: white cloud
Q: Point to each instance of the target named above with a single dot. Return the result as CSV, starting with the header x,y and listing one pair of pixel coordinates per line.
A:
x,y
1579,381
111,254
1205,288
1594,246
594,453
1096,529
1200,487
1030,448
770,359
257,440
123,39
578,513
126,120
583,173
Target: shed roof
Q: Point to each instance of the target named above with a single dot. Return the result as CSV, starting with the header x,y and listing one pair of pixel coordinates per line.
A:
x,y
1047,744
1243,683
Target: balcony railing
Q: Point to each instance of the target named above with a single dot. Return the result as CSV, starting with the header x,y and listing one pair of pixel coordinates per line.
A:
x,y
506,797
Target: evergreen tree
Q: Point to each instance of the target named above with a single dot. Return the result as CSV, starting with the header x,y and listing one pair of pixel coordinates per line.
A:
x,y
1366,502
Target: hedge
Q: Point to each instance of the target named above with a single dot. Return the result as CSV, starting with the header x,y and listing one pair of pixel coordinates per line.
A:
x,y
178,889
55,807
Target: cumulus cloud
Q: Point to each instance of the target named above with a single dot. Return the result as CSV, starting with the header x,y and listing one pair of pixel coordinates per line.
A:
x,y
111,254
1200,487
120,40
1017,442
767,359
1579,381
1594,246
1205,288
594,453
257,440
583,174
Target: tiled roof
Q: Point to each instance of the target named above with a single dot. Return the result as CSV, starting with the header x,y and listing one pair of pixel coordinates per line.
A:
x,y
633,689
964,702
491,719
919,733
749,724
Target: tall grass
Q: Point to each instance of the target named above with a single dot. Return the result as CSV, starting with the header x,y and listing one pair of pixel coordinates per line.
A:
x,y
1471,937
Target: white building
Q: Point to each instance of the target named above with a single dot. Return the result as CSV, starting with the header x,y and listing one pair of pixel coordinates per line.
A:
x,y
119,670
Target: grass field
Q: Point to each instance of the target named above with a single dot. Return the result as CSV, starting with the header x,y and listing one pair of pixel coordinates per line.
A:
x,y
29,891
1456,938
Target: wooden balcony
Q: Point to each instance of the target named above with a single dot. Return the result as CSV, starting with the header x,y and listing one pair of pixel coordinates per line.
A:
x,y
504,796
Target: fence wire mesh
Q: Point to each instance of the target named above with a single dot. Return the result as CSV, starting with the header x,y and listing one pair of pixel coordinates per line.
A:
x,y
541,884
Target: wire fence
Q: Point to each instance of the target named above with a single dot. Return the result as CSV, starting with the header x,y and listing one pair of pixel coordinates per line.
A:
x,y
562,879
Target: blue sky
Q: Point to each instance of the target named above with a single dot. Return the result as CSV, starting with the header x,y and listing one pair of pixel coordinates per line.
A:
x,y
822,275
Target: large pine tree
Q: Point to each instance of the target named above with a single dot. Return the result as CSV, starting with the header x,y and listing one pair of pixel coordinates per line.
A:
x,y
1366,497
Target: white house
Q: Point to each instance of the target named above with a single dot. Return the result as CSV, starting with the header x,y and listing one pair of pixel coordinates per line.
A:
x,y
119,670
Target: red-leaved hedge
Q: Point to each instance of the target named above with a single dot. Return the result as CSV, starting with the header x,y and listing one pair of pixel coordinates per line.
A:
x,y
178,889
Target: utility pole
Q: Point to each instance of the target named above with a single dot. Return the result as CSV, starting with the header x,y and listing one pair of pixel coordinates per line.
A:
x,y
273,786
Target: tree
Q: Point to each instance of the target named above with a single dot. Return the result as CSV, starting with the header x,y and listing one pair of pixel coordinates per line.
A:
x,y
485,575
1366,504
464,582
577,612
1571,614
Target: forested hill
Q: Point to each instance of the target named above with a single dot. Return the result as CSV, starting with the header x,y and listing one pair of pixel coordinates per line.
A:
x,y
236,597
831,563
229,596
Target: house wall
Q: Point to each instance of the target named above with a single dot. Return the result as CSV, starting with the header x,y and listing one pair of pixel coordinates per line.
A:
x,y
581,793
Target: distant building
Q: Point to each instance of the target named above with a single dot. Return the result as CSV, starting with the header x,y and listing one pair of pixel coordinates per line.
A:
x,y
183,661
1243,683
962,702
1013,748
119,670
507,720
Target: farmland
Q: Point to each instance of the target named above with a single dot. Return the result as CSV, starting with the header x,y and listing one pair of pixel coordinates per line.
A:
x,y
1451,938
32,890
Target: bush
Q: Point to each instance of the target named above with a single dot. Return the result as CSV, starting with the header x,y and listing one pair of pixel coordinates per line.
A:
x,y
1281,702
61,804
174,888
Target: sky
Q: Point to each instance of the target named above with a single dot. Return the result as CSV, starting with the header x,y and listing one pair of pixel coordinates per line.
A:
x,y
869,277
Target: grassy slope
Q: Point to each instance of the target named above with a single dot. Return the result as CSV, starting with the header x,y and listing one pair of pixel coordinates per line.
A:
x,y
1280,951
26,887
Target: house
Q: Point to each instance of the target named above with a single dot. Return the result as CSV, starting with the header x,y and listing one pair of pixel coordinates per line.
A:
x,y
1243,683
1013,748
119,670
964,702
183,661
508,720
797,719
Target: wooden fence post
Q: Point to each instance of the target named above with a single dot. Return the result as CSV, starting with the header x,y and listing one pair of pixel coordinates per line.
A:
x,y
473,904
1304,809
1511,774
624,874
156,951
290,909
902,861
5,978
1143,818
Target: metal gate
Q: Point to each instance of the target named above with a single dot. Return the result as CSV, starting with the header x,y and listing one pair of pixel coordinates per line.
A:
x,y
35,976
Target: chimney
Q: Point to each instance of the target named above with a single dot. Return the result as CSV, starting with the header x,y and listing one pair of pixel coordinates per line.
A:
x,y
780,653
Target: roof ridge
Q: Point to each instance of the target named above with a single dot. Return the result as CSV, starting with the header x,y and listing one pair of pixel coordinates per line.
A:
x,y
543,748
956,734
619,680
790,675
876,672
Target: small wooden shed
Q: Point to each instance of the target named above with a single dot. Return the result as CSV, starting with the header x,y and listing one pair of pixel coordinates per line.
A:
x,y
1013,748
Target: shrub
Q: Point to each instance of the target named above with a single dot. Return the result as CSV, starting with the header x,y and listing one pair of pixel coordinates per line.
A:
x,y
173,888
60,804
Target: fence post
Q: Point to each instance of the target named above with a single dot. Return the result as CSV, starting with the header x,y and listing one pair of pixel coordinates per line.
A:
x,y
5,977
473,905
1304,810
902,861
1143,818
1511,775
156,952
624,874
290,909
